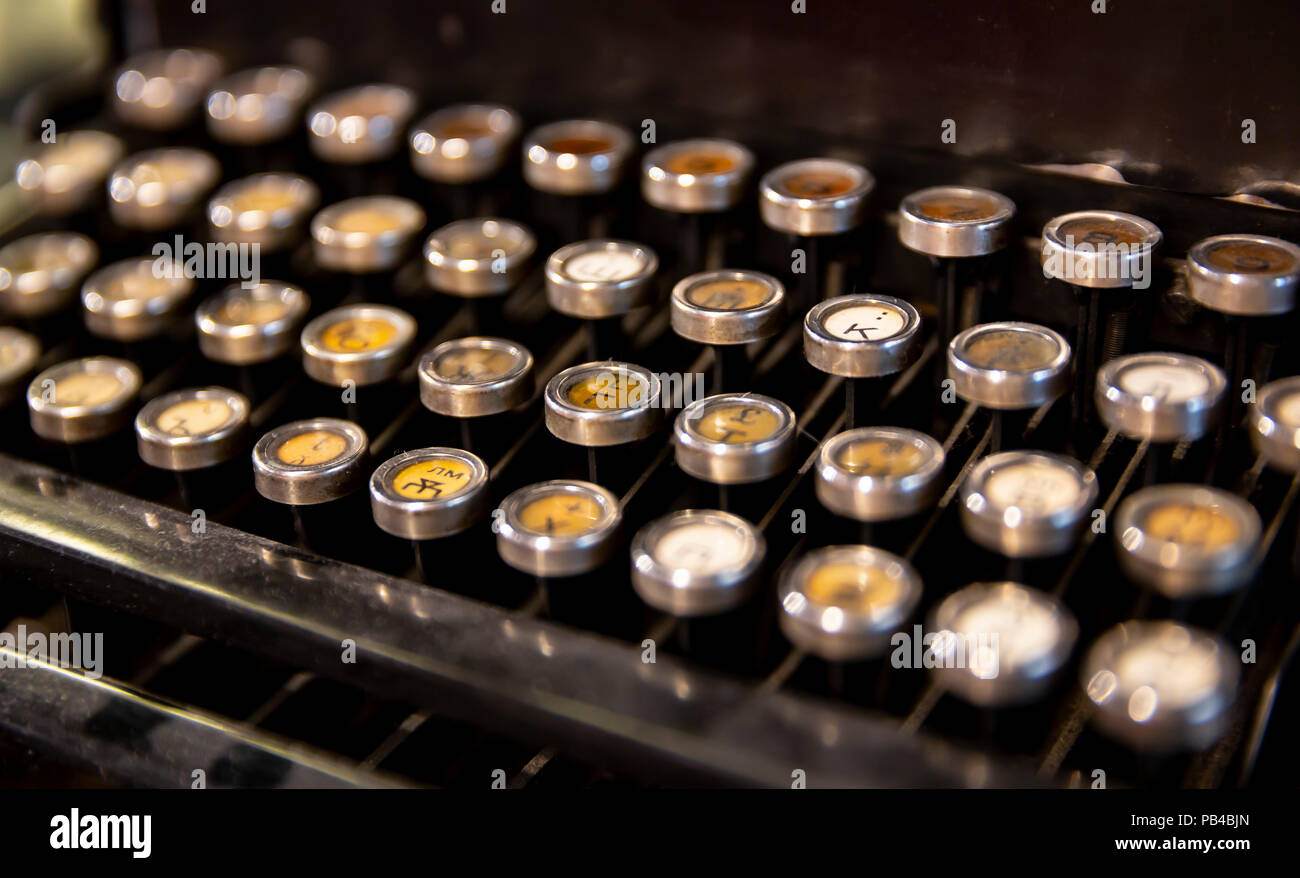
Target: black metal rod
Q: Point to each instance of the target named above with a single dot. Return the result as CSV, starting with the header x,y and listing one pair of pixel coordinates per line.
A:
x,y
1085,357
183,492
690,243
248,384
1238,357
300,529
811,283
730,368
867,533
945,298
417,553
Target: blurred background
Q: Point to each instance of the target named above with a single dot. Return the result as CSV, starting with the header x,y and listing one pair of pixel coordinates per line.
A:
x,y
41,42
1157,88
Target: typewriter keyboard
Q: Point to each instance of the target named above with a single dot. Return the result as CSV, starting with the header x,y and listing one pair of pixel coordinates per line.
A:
x,y
475,448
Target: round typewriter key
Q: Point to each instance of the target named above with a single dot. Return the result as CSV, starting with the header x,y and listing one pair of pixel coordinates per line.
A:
x,y
473,377
815,196
360,125
1244,278
955,221
1027,504
558,528
310,462
727,307
1161,686
1009,365
1187,541
259,105
953,225
861,336
1250,275
82,400
192,429
463,143
365,344
1275,423
130,300
599,279
1092,251
65,176
162,89
576,157
241,326
159,188
1099,249
595,279
269,210
843,603
1000,643
478,257
40,274
696,562
606,403
362,235
429,493
696,176
733,439
1159,396
19,352
699,181
879,473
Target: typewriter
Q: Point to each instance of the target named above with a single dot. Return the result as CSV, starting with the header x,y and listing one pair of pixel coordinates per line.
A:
x,y
568,396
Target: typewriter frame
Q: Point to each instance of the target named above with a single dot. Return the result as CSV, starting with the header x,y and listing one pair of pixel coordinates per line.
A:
x,y
434,649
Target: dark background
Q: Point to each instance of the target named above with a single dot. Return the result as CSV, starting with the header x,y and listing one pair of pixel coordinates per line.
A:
x,y
1160,86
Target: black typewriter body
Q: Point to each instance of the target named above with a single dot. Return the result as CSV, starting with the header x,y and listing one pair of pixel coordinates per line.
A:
x,y
268,649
